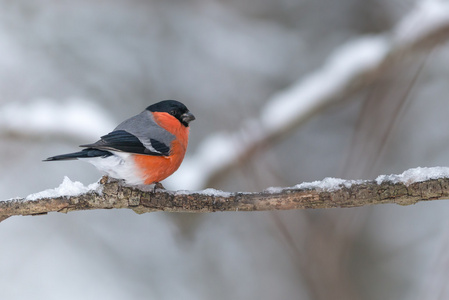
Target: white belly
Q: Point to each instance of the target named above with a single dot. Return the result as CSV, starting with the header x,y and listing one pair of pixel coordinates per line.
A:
x,y
119,166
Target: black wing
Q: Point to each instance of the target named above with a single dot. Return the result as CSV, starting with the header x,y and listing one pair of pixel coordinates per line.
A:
x,y
121,140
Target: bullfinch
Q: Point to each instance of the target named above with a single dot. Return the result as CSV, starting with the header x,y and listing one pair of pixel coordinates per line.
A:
x,y
144,149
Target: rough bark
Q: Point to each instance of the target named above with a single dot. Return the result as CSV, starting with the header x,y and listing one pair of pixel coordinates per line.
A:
x,y
116,195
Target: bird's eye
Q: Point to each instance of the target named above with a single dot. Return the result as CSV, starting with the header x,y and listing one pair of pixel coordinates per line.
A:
x,y
173,112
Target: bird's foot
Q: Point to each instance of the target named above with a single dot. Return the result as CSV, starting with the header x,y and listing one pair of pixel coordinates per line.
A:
x,y
158,186
104,179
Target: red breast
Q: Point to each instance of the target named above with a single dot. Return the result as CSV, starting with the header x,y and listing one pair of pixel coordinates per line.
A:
x,y
157,168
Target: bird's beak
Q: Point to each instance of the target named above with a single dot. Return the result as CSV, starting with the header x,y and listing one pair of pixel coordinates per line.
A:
x,y
187,117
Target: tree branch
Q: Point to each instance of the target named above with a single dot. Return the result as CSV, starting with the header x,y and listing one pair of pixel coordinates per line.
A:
x,y
328,193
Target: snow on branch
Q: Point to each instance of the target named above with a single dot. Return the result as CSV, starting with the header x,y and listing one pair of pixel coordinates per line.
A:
x,y
351,68
410,187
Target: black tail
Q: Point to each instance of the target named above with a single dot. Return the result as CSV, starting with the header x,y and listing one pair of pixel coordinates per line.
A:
x,y
86,153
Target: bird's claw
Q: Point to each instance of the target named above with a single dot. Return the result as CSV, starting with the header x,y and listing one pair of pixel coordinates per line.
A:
x,y
158,186
104,179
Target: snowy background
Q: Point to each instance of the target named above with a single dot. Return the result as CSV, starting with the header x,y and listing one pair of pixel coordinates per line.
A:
x,y
247,69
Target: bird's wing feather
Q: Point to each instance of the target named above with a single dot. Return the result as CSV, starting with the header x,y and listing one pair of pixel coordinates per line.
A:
x,y
120,140
139,134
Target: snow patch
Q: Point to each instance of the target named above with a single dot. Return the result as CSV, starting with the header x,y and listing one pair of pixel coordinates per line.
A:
x,y
66,188
274,190
407,177
415,175
328,184
182,192
207,192
215,193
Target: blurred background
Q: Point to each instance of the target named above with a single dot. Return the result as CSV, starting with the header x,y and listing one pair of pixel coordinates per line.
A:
x,y
71,71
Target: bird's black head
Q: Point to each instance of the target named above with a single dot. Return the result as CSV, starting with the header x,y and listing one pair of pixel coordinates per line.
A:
x,y
174,108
